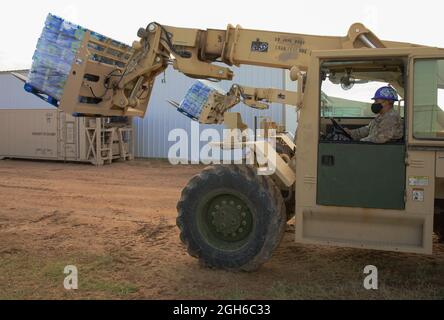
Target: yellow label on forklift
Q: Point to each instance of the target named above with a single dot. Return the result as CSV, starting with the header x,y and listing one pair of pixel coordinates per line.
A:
x,y
418,181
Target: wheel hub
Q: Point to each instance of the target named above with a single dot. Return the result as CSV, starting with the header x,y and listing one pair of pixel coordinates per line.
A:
x,y
229,218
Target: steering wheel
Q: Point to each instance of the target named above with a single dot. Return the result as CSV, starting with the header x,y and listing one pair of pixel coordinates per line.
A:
x,y
338,129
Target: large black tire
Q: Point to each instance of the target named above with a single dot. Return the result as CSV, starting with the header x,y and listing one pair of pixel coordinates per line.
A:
x,y
257,195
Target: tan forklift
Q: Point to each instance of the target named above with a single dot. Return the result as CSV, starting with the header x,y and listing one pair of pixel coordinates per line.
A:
x,y
341,192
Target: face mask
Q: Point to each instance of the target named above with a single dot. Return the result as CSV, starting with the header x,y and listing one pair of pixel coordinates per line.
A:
x,y
377,108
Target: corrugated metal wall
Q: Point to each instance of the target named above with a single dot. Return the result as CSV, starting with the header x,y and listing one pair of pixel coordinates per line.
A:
x,y
12,95
151,133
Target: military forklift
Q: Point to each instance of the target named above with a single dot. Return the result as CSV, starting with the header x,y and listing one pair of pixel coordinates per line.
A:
x,y
340,192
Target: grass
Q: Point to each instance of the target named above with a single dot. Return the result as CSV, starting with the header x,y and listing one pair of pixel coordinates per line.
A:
x,y
332,275
320,276
42,278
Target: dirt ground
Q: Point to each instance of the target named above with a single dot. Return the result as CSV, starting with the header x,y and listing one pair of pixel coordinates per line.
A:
x,y
117,225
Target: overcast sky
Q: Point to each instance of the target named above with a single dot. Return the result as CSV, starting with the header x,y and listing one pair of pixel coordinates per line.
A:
x,y
411,21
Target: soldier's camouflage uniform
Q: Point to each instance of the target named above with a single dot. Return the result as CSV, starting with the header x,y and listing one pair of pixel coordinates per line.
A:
x,y
383,128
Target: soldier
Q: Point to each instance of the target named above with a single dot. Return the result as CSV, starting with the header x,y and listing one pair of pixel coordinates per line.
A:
x,y
387,125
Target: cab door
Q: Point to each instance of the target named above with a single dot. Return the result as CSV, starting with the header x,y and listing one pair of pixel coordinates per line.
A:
x,y
356,194
353,173
361,175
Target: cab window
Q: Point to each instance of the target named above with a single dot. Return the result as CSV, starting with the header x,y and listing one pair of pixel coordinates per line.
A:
x,y
347,89
354,101
428,106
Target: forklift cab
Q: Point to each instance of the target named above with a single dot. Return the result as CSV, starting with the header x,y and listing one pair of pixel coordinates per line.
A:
x,y
345,102
366,195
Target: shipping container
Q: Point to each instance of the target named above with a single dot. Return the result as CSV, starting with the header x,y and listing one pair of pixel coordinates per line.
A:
x,y
51,134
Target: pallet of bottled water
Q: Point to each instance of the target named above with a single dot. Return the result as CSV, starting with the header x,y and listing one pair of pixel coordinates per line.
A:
x,y
56,52
197,98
